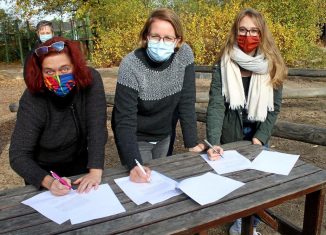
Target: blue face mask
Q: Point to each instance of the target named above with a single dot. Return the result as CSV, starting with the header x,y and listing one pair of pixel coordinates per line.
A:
x,y
45,37
159,51
61,85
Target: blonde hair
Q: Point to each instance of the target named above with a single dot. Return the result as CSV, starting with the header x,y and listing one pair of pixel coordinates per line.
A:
x,y
166,15
277,67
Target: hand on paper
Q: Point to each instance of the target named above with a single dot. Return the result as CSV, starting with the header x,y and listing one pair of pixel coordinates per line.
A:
x,y
89,181
212,155
56,188
138,176
256,141
198,148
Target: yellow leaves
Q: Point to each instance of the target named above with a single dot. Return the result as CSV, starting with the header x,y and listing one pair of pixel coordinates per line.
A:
x,y
293,24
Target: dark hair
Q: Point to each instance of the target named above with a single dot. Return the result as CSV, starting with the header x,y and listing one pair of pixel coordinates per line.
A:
x,y
43,23
166,15
34,78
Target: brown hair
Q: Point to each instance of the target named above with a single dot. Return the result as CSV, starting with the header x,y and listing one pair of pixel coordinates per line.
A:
x,y
277,67
44,23
166,15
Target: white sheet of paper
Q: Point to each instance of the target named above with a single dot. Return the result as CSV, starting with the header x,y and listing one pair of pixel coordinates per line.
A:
x,y
231,161
95,204
165,196
147,192
274,162
208,187
77,207
46,204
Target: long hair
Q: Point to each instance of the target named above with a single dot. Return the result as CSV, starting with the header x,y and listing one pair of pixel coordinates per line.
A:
x,y
277,67
166,15
34,78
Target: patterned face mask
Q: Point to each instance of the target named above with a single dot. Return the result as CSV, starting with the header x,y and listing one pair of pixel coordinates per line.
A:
x,y
61,85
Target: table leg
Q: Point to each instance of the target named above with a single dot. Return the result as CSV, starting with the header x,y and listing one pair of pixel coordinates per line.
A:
x,y
313,212
247,225
204,232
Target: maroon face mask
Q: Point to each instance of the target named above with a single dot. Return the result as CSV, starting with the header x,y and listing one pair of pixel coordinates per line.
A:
x,y
248,43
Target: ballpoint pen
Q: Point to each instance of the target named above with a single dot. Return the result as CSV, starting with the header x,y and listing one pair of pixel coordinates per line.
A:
x,y
211,146
62,181
141,167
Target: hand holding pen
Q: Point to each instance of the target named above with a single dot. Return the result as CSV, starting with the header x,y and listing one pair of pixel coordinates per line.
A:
x,y
57,186
140,174
61,180
215,152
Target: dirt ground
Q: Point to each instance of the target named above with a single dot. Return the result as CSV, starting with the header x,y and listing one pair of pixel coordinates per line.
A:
x,y
308,111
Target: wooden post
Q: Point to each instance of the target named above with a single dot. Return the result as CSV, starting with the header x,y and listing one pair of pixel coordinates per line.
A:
x,y
19,43
73,34
89,38
28,36
6,41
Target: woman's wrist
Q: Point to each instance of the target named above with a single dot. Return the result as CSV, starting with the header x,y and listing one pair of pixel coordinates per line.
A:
x,y
96,171
47,182
198,148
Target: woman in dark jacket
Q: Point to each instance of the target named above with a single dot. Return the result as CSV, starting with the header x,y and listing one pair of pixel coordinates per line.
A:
x,y
61,121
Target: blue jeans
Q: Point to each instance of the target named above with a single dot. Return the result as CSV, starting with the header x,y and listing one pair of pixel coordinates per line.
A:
x,y
249,133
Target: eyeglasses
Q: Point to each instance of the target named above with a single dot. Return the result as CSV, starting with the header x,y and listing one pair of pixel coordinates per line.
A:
x,y
166,40
252,31
57,46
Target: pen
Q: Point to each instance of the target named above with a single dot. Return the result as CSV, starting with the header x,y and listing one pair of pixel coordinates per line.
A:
x,y
62,181
211,146
141,168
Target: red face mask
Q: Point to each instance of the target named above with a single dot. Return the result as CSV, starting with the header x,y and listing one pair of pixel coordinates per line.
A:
x,y
248,43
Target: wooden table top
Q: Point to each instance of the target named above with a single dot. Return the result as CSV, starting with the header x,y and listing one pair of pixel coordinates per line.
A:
x,y
179,214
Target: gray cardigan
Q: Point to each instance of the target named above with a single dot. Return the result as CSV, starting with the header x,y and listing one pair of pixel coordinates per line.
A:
x,y
52,131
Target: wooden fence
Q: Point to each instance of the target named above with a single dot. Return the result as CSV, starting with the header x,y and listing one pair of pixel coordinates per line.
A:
x,y
311,74
293,131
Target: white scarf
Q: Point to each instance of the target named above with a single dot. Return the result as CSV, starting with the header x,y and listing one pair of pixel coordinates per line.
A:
x,y
260,95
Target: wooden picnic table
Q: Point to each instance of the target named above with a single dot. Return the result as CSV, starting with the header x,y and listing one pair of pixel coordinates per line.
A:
x,y
182,215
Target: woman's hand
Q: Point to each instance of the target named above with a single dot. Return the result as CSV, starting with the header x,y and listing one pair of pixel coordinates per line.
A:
x,y
256,141
198,148
55,187
138,176
213,155
90,180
